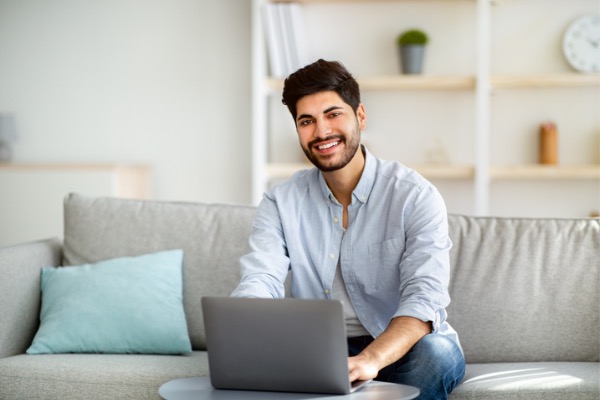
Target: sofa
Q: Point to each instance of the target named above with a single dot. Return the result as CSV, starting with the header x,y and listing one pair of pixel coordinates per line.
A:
x,y
525,299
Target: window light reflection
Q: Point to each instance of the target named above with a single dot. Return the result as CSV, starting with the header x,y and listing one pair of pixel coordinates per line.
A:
x,y
531,378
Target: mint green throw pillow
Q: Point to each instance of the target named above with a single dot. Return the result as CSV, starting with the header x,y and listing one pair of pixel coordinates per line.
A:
x,y
123,305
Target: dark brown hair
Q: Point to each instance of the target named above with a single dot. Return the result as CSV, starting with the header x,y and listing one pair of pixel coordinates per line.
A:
x,y
317,77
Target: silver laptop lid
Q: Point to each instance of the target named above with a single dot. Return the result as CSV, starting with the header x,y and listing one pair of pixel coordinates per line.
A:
x,y
289,345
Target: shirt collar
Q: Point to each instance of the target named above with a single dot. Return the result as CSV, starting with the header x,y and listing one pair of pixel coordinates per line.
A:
x,y
365,184
367,180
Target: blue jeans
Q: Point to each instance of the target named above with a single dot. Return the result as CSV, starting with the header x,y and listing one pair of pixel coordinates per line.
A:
x,y
435,365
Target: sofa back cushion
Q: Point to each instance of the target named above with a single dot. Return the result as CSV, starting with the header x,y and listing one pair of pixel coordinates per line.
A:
x,y
525,289
213,237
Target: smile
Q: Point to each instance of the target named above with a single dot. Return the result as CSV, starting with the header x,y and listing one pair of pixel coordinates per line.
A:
x,y
327,146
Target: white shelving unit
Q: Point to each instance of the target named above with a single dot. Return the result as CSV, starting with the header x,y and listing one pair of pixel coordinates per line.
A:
x,y
475,168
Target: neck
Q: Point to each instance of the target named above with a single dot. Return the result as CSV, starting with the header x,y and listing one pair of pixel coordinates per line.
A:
x,y
343,181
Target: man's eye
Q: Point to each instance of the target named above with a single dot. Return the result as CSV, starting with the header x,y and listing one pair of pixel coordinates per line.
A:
x,y
305,122
335,114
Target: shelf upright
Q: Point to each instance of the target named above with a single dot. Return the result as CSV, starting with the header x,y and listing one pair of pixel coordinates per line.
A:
x,y
259,105
482,104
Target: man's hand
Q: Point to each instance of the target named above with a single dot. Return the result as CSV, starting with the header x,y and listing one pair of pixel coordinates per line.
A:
x,y
362,368
399,337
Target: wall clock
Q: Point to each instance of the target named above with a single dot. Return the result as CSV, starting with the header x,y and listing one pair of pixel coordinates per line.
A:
x,y
581,43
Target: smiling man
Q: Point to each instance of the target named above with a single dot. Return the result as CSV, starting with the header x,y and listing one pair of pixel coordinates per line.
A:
x,y
370,233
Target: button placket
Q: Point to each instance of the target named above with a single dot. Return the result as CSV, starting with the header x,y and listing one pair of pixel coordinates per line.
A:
x,y
333,253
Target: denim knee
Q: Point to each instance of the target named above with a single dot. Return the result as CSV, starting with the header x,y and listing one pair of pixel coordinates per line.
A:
x,y
438,347
435,365
440,354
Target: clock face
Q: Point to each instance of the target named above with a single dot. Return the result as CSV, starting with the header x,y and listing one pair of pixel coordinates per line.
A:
x,y
581,43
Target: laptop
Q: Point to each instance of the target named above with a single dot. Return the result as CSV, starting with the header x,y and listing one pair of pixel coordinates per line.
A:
x,y
285,345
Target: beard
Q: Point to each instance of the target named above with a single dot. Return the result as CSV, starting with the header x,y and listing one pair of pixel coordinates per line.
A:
x,y
350,148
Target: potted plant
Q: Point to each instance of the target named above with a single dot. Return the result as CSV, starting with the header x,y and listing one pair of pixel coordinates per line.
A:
x,y
412,49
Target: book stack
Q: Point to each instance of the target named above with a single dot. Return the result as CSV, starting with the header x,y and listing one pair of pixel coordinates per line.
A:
x,y
285,38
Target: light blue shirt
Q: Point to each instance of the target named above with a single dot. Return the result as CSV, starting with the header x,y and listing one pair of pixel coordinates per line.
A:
x,y
394,255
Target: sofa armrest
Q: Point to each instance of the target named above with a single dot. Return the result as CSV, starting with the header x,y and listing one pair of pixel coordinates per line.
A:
x,y
20,293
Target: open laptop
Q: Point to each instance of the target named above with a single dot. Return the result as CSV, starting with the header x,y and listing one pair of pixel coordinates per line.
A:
x,y
287,345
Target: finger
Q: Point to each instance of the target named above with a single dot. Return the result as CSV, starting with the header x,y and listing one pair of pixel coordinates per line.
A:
x,y
352,372
351,363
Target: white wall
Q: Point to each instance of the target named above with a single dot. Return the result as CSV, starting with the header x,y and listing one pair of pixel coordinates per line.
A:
x,y
160,82
167,83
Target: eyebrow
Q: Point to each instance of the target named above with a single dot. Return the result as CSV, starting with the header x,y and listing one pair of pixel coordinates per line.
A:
x,y
302,116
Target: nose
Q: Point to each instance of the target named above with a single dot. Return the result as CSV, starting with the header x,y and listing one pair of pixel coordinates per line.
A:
x,y
323,129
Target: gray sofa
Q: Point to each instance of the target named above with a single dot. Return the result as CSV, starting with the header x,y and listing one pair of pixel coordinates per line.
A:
x,y
525,300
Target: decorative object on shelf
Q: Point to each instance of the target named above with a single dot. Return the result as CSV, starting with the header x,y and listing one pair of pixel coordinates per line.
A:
x,y
283,26
548,143
438,152
411,45
8,135
581,43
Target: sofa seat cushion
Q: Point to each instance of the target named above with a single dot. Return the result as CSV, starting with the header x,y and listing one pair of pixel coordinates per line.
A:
x,y
95,376
530,381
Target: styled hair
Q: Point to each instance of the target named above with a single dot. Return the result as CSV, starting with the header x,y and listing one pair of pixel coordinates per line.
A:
x,y
317,77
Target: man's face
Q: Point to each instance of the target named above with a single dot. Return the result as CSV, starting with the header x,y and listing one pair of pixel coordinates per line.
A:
x,y
328,129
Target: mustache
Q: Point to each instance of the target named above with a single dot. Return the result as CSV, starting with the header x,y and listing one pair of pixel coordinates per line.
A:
x,y
315,142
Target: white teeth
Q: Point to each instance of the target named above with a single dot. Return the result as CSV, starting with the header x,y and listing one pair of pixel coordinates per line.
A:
x,y
327,146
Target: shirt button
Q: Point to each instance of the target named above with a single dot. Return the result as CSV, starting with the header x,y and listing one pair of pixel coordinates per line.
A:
x,y
331,255
335,220
327,291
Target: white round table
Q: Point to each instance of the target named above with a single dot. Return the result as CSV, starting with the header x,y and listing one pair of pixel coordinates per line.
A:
x,y
200,388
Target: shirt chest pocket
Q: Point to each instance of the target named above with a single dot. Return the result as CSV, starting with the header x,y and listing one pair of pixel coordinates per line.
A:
x,y
384,261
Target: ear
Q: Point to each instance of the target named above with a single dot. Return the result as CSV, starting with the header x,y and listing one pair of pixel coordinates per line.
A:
x,y
361,116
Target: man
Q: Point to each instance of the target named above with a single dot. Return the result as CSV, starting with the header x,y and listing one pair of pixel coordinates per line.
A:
x,y
370,233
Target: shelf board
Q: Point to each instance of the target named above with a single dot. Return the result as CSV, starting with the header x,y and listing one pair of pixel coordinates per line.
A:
x,y
343,1
402,82
432,171
545,81
539,171
444,171
71,167
408,82
285,170
450,171
465,82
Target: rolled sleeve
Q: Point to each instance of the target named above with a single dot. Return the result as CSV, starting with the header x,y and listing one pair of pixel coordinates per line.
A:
x,y
425,264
